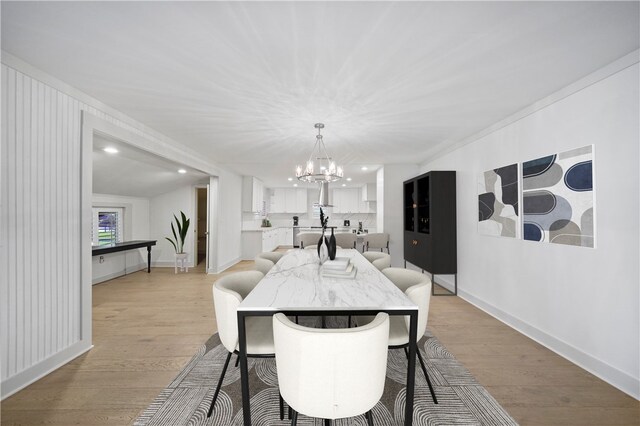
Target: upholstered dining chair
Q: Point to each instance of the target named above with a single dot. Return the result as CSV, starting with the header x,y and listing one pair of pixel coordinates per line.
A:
x,y
273,256
346,239
417,287
263,265
378,259
228,293
308,239
376,240
331,373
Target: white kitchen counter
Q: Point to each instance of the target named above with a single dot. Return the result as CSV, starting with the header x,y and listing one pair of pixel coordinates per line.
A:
x,y
258,240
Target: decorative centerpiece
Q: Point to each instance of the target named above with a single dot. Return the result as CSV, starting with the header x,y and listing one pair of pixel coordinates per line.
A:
x,y
323,243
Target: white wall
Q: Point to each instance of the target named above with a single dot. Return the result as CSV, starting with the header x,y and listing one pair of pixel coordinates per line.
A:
x,y
390,179
582,303
227,241
136,227
161,210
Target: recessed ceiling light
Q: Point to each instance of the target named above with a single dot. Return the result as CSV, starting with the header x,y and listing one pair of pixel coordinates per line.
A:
x,y
295,184
364,168
182,171
348,179
289,179
323,168
344,184
110,150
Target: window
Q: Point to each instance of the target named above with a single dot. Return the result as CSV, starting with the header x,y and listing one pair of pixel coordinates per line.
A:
x,y
107,226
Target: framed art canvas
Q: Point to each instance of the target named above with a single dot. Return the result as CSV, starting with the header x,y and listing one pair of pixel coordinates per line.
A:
x,y
558,198
498,202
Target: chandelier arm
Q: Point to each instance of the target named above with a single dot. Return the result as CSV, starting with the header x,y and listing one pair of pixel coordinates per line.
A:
x,y
313,150
326,156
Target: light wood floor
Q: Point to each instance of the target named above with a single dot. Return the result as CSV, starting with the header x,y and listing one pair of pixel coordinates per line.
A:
x,y
147,326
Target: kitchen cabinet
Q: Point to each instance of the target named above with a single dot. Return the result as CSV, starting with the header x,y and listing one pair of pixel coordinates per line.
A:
x,y
349,201
288,200
429,210
287,239
252,194
264,239
368,192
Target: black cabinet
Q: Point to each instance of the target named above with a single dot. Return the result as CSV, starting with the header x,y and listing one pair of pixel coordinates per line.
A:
x,y
430,222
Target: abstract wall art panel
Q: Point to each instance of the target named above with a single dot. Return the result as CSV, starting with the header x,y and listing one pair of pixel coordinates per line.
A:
x,y
557,198
498,202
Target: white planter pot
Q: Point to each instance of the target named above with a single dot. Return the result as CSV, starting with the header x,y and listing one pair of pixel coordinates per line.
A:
x,y
181,260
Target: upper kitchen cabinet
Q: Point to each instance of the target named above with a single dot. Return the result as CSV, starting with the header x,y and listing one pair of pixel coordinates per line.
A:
x,y
349,200
368,192
288,200
252,194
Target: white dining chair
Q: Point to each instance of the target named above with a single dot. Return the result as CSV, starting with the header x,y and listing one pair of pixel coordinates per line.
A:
x,y
417,287
376,240
228,293
263,265
307,239
346,239
331,373
273,256
378,259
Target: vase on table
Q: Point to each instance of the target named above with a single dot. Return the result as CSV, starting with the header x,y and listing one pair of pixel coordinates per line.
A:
x,y
323,249
332,246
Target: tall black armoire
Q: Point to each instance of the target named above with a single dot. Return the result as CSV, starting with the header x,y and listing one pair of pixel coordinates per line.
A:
x,y
430,223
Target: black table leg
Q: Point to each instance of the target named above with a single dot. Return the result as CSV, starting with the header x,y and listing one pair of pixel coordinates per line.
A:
x,y
148,259
411,371
244,369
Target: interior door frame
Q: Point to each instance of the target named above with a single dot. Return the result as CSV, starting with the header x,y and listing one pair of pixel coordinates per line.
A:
x,y
207,220
91,125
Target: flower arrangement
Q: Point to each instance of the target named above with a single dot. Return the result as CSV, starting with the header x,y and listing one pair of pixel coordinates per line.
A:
x,y
324,220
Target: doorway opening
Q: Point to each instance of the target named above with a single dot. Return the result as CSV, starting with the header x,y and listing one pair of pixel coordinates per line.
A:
x,y
202,226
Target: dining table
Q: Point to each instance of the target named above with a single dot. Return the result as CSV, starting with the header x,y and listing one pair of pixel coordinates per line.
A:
x,y
296,286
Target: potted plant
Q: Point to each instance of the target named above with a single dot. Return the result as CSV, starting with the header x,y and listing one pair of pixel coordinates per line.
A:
x,y
179,237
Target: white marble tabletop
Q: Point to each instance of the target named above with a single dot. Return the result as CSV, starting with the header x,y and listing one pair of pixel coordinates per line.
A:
x,y
295,283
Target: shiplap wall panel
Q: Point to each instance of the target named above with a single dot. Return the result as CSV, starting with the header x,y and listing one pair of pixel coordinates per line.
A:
x,y
41,208
41,288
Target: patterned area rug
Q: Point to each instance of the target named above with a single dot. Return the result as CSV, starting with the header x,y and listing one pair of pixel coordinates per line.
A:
x,y
461,399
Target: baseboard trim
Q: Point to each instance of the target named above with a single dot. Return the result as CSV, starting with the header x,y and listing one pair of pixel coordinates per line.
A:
x,y
128,270
612,375
227,265
15,383
164,264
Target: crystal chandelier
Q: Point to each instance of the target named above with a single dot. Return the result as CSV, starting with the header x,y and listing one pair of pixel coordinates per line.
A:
x,y
327,170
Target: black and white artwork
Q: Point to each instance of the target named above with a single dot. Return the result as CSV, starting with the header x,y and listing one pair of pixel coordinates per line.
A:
x,y
498,202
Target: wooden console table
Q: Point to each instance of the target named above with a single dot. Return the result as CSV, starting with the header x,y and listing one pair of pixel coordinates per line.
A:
x,y
126,245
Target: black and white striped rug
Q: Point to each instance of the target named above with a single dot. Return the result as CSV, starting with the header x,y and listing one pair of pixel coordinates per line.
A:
x,y
461,399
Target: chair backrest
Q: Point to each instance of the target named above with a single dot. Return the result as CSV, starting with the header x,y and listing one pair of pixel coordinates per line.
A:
x,y
417,287
378,259
308,238
377,240
273,256
346,239
228,292
262,265
331,373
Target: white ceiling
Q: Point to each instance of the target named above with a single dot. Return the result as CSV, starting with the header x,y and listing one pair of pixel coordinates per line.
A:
x,y
136,173
243,83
